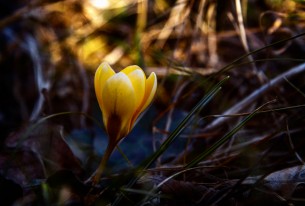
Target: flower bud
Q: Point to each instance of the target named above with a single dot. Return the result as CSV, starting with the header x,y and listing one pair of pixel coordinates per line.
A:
x,y
122,97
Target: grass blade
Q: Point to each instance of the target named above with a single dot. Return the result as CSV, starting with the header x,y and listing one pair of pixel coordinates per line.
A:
x,y
225,138
146,164
183,123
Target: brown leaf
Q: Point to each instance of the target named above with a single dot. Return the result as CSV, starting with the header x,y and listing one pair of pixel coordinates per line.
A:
x,y
20,166
47,143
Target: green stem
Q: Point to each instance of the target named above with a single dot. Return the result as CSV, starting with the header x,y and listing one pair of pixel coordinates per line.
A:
x,y
99,171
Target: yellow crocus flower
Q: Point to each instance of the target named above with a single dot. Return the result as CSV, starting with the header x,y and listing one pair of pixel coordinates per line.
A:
x,y
122,97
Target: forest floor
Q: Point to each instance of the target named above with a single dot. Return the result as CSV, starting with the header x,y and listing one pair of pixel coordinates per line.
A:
x,y
226,126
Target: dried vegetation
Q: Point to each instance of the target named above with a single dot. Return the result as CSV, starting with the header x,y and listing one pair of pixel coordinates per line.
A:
x,y
49,118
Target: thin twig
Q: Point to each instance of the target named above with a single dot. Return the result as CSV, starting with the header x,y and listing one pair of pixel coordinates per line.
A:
x,y
255,95
292,145
86,91
242,32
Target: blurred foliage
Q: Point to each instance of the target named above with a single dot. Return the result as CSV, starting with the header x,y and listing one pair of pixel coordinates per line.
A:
x,y
49,50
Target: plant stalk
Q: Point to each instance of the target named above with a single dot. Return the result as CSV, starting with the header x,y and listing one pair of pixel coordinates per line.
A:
x,y
99,171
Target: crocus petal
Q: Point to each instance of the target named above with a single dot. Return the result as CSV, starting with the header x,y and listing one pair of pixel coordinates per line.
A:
x,y
119,104
102,74
150,90
130,69
137,78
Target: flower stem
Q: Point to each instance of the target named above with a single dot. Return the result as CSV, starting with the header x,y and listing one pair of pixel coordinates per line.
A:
x,y
99,171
